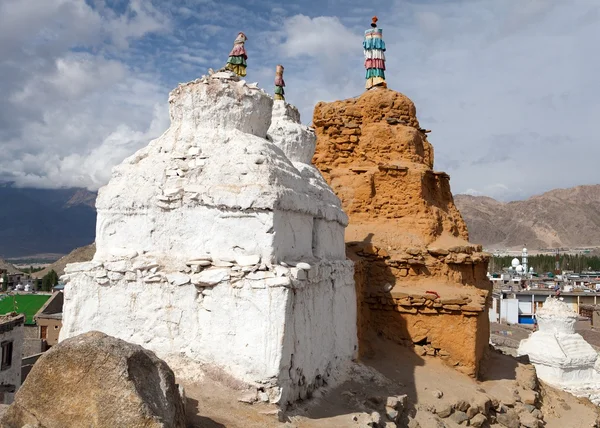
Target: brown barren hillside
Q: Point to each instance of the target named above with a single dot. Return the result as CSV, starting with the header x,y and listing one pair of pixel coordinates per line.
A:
x,y
4,265
558,218
78,255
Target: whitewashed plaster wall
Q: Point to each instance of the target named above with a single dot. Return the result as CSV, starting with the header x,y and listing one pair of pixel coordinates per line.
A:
x,y
217,170
213,244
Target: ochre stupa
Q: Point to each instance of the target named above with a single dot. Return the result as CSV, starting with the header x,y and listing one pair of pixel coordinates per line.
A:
x,y
419,281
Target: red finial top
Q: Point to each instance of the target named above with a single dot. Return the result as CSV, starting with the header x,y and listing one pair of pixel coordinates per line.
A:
x,y
374,23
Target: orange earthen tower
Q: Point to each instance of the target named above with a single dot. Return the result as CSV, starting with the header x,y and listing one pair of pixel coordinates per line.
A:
x,y
419,281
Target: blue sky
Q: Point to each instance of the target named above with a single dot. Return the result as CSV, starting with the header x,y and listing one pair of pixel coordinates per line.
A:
x,y
508,87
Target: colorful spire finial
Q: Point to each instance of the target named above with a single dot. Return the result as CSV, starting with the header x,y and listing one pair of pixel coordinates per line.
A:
x,y
279,83
374,48
237,56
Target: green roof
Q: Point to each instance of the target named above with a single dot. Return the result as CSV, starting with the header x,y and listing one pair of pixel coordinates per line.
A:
x,y
27,304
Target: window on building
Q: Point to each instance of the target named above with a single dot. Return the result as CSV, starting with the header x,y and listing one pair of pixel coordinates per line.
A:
x,y
43,332
7,350
55,327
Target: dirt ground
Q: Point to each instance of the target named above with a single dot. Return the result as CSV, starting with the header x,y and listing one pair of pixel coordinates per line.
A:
x,y
590,334
393,371
515,332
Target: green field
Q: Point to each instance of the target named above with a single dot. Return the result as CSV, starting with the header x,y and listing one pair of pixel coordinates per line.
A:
x,y
27,304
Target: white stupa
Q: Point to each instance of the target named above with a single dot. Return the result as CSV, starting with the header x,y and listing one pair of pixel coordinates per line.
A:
x,y
562,358
220,244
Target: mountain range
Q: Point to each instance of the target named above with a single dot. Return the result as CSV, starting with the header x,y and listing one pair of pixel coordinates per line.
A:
x,y
558,218
37,221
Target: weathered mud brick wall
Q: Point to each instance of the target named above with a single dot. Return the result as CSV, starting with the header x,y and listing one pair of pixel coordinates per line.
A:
x,y
419,281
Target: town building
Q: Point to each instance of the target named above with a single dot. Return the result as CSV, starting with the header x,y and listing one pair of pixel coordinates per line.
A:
x,y
16,280
11,342
520,307
28,304
49,320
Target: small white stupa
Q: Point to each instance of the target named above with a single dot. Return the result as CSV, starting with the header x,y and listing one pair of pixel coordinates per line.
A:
x,y
562,358
219,243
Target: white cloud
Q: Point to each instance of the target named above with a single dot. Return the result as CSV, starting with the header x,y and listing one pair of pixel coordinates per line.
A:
x,y
472,192
497,191
73,76
80,139
91,168
323,60
429,22
508,88
29,27
140,18
192,59
319,37
67,117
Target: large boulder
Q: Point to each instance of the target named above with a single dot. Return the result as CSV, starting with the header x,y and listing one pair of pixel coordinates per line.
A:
x,y
96,380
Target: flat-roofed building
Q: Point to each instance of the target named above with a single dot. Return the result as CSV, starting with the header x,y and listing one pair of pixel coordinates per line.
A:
x,y
49,319
11,342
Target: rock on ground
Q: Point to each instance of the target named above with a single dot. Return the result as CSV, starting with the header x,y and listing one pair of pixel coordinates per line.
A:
x,y
98,381
377,383
510,419
478,421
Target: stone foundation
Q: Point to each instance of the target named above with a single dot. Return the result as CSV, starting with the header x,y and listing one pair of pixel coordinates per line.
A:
x,y
435,318
458,337
273,326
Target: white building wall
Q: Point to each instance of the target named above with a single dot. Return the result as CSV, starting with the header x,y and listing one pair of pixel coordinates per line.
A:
x,y
493,312
526,308
509,311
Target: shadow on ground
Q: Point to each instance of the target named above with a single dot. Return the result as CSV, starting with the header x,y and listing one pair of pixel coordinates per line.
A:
x,y
396,370
498,366
194,420
389,371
